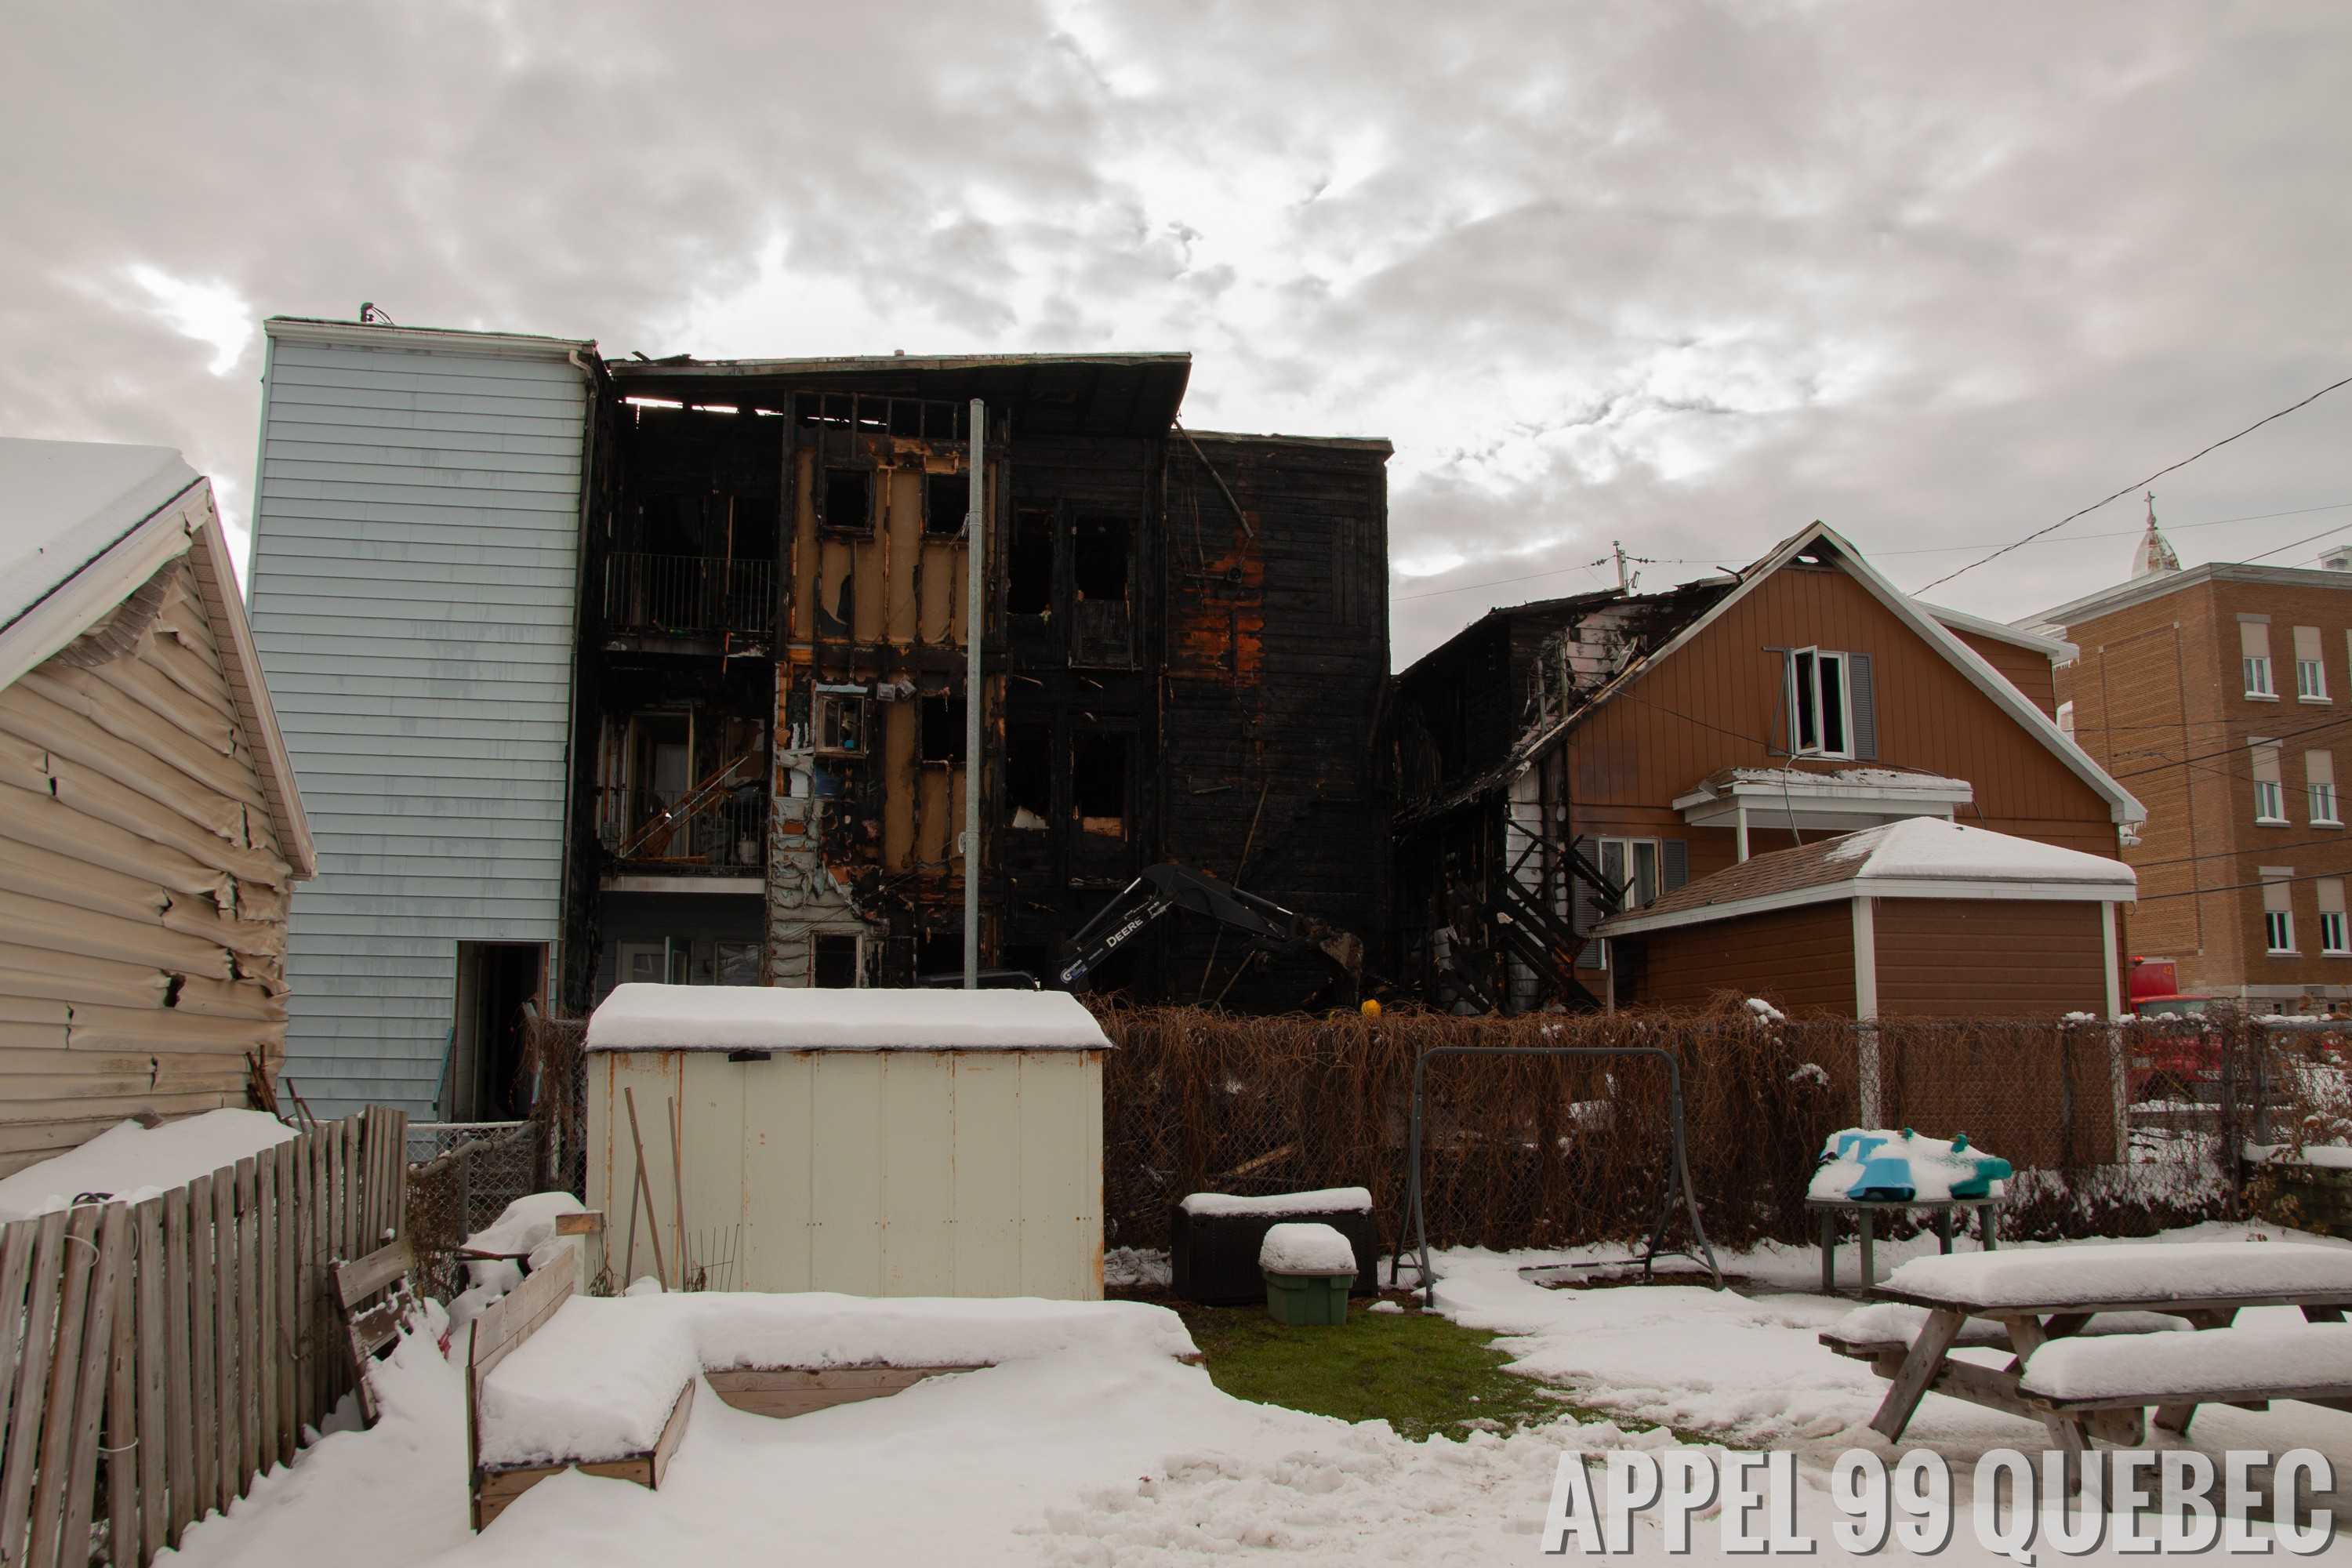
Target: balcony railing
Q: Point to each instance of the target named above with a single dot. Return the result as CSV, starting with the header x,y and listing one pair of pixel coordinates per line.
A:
x,y
687,594
728,837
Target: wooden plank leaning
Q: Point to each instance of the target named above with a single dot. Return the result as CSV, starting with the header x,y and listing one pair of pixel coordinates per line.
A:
x,y
228,1385
265,1309
15,1269
248,1323
202,1377
25,1421
59,1409
180,1368
154,1401
289,1380
97,1374
120,1444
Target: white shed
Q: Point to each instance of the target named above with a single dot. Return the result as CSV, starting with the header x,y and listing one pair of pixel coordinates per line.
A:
x,y
878,1142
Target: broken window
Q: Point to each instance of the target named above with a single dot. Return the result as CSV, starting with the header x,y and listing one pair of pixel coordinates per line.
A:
x,y
1029,563
1029,775
1099,770
839,722
739,964
947,498
943,729
1099,558
833,961
845,501
940,952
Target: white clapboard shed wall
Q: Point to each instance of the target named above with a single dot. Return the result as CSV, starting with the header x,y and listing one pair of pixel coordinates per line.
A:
x,y
417,551
149,826
876,1142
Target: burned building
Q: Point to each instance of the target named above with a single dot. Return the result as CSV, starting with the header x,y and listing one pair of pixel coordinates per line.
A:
x,y
760,600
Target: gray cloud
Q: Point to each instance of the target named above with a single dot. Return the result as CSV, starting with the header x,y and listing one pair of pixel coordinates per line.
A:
x,y
1685,275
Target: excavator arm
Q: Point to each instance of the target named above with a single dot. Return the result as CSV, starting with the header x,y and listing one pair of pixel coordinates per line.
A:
x,y
1163,888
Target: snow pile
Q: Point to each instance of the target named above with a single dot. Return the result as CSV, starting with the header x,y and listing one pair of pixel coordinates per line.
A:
x,y
1932,847
2325,1156
132,1163
525,1229
1872,1159
642,1017
1306,1248
2217,1362
1136,1269
1764,1012
2126,1271
1323,1200
600,1378
1894,1322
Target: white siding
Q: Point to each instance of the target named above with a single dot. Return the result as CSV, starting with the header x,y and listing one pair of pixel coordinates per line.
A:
x,y
415,576
871,1172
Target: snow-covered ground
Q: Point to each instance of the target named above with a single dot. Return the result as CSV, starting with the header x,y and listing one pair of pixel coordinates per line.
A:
x,y
1116,1452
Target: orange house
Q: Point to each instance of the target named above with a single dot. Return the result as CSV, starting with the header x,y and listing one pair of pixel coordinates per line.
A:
x,y
1582,760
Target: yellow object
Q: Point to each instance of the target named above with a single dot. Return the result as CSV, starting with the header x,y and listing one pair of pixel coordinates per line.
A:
x,y
1372,1008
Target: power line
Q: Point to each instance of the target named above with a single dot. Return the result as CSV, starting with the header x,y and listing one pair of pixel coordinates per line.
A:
x,y
2228,751
2290,545
2137,484
1921,550
2238,886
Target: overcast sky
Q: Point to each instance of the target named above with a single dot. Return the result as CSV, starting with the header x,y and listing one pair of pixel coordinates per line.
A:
x,y
1684,275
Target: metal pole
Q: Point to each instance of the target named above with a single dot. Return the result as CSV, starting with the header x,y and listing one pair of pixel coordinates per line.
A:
x,y
975,529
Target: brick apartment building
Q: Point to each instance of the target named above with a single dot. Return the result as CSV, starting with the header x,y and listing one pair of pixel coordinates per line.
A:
x,y
2221,697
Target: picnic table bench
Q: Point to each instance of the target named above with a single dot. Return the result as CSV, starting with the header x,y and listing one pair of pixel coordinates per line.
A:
x,y
2093,1333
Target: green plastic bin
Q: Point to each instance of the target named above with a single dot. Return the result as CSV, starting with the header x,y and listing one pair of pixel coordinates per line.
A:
x,y
1307,1299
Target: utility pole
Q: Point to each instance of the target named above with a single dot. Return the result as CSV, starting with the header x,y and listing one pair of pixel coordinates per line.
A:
x,y
975,533
1624,583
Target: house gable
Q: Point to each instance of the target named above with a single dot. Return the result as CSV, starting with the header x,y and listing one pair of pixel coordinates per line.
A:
x,y
1717,697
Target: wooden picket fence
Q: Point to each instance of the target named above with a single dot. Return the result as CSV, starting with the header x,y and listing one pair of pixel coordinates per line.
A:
x,y
169,1351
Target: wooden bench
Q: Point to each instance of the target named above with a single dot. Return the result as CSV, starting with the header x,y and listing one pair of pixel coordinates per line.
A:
x,y
2072,1383
374,1329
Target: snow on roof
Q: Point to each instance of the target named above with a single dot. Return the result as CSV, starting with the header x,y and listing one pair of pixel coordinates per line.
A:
x,y
133,1163
1929,847
640,1017
1871,778
63,504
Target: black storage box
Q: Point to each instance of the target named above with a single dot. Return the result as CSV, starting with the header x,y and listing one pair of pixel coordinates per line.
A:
x,y
1212,1257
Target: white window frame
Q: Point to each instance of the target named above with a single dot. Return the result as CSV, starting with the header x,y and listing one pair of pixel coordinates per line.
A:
x,y
2278,933
1808,667
2278,924
2066,718
1628,856
2258,678
2270,793
2332,943
2318,793
2310,665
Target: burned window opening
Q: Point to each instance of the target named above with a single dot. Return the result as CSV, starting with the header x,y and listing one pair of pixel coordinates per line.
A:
x,y
833,961
1029,775
1099,556
947,498
1029,564
942,740
1099,770
839,722
940,952
848,501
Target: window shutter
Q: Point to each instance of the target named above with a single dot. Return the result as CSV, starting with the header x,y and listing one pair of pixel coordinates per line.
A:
x,y
1780,735
1865,695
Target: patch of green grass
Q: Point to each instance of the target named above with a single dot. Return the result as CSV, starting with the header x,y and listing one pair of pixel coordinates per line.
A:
x,y
1418,1370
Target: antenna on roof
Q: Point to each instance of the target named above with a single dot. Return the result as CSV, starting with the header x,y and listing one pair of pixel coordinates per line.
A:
x,y
372,317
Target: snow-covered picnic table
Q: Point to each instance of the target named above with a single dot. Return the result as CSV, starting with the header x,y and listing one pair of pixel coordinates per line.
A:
x,y
2047,1300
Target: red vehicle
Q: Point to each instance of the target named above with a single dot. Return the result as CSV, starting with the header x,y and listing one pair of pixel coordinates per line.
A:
x,y
2176,1063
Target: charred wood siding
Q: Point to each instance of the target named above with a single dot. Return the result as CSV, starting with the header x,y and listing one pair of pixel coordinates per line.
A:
x,y
1796,958
142,893
1277,646
1967,958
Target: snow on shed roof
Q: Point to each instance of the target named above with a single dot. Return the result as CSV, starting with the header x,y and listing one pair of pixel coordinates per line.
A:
x,y
63,504
640,1017
1919,858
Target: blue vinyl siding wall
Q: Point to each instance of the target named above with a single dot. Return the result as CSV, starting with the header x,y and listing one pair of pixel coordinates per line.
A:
x,y
416,559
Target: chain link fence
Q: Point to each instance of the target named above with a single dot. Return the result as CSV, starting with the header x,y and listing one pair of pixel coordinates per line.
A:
x,y
461,1177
